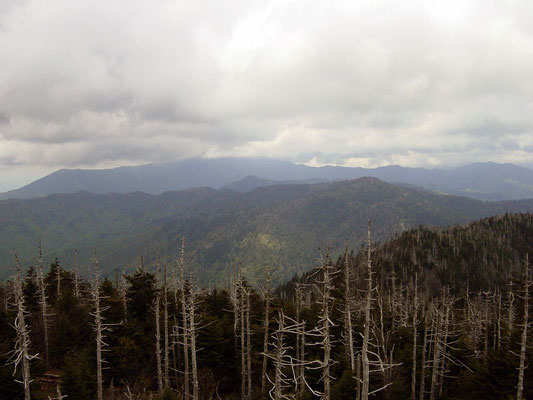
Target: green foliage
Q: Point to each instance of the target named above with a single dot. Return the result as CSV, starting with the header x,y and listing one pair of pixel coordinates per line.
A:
x,y
280,226
79,375
485,254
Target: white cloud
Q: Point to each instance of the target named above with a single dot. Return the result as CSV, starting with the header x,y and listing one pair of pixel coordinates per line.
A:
x,y
99,83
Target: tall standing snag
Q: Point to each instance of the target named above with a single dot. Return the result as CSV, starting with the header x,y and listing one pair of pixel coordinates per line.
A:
x,y
99,326
184,320
266,325
527,283
20,354
43,305
157,302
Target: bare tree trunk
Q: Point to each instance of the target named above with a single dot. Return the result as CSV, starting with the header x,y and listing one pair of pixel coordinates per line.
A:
x,y
348,329
248,346
510,310
184,321
165,327
436,353
423,366
58,282
445,342
279,358
98,327
368,306
44,307
21,352
192,324
234,294
415,315
158,333
266,325
325,328
77,293
527,283
499,322
243,340
358,378
302,359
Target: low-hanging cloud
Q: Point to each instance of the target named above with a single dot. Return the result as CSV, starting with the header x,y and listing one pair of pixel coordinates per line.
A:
x,y
99,83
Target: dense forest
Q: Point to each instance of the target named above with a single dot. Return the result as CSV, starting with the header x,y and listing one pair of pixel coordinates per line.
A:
x,y
430,314
282,226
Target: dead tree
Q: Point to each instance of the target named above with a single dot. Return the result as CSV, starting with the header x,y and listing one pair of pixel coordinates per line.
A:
x,y
436,333
122,292
423,361
58,282
348,329
285,380
185,329
157,302
77,293
242,293
58,394
300,340
266,325
510,310
43,305
166,351
324,285
248,343
527,282
371,360
193,333
368,307
20,354
415,321
99,326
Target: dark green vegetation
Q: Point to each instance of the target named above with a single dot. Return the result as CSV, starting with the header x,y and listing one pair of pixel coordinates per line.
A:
x,y
280,226
470,280
485,181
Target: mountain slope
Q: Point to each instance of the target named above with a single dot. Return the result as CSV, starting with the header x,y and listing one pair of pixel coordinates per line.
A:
x,y
485,181
283,226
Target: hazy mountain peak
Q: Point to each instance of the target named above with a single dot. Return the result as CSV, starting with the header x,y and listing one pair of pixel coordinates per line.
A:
x,y
487,181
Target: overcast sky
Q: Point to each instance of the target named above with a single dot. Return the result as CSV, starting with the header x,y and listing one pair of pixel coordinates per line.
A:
x,y
104,83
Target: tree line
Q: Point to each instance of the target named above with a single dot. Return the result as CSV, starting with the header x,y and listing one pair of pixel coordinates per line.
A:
x,y
431,314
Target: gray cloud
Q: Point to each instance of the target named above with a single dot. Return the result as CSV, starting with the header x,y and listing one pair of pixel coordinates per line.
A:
x,y
364,83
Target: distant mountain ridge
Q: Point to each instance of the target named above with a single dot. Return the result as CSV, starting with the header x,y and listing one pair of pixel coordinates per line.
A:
x,y
282,226
483,181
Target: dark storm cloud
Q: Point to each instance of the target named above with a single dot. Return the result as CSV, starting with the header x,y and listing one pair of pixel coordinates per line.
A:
x,y
364,83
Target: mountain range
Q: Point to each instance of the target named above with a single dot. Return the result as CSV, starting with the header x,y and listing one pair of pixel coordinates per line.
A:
x,y
283,226
483,181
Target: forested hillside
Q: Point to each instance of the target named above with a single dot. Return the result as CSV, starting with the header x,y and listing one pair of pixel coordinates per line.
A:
x,y
279,226
430,314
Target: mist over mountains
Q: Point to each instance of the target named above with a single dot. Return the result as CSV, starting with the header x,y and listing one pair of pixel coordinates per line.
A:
x,y
483,181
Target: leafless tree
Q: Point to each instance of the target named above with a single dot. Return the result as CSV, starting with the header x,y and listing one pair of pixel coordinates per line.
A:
x,y
193,333
414,310
99,326
77,292
348,301
184,327
324,275
266,326
43,303
166,351
20,354
371,360
526,282
157,302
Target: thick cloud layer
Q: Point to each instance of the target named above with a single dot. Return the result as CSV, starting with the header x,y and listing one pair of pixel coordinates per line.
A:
x,y
364,83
